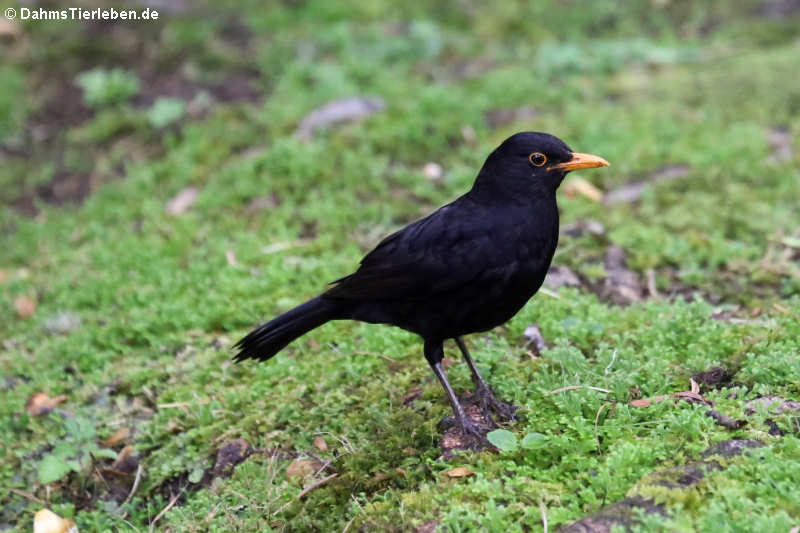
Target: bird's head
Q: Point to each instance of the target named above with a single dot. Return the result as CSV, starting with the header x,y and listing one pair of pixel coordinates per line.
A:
x,y
532,160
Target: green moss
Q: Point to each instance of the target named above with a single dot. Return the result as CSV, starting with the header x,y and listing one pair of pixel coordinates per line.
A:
x,y
658,85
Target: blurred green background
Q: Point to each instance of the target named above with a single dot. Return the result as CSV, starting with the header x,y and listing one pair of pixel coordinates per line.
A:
x,y
167,184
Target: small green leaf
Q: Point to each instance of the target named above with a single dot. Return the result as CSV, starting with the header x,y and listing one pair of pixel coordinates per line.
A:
x,y
80,429
503,440
791,242
196,475
103,87
53,468
165,111
533,441
64,449
105,452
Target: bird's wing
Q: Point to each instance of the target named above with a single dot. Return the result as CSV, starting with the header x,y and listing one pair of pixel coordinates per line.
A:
x,y
443,251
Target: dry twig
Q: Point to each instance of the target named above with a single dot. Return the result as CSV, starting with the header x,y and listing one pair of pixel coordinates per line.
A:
x,y
135,486
578,387
315,485
725,421
166,509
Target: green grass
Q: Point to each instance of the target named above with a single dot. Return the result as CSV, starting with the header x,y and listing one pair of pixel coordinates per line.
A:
x,y
658,84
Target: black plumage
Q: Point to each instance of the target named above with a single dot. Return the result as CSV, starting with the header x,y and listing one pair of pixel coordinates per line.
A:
x,y
468,267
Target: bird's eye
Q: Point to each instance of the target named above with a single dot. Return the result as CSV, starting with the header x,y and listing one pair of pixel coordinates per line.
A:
x,y
537,159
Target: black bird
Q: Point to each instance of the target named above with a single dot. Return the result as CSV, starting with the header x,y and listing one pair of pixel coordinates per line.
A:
x,y
467,267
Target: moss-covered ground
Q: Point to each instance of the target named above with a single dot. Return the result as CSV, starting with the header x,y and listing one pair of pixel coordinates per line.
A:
x,y
129,308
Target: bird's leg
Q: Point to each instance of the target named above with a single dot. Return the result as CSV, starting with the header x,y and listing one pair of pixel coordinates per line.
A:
x,y
484,392
434,354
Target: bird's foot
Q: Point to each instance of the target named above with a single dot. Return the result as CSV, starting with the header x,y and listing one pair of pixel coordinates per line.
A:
x,y
489,402
468,434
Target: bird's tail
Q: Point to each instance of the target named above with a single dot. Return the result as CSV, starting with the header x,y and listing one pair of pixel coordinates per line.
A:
x,y
273,336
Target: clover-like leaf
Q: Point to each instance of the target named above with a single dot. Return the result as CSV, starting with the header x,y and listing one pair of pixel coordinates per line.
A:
x,y
533,441
503,440
52,468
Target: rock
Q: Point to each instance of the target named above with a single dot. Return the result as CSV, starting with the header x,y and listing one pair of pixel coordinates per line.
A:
x,y
561,276
631,192
775,404
622,286
433,171
62,323
338,111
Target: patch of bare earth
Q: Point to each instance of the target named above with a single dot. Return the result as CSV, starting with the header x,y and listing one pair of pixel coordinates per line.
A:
x,y
61,106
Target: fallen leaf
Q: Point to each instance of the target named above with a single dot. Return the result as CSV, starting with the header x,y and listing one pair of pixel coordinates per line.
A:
x,y
118,436
25,306
692,396
3,276
320,443
302,468
459,471
127,461
40,403
580,187
46,521
182,201
338,111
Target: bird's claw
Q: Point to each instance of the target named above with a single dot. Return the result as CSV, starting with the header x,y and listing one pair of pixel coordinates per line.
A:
x,y
474,436
472,431
488,401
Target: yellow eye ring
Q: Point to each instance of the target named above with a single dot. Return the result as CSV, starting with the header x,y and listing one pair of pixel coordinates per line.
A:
x,y
537,159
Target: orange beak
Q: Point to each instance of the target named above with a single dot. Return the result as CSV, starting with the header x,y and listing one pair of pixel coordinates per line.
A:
x,y
579,161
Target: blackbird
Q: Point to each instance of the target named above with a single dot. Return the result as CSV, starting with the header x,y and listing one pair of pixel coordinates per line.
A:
x,y
467,267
